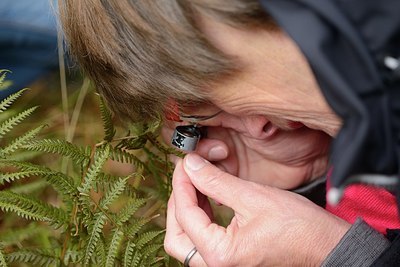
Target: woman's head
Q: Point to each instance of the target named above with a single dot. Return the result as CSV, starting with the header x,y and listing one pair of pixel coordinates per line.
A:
x,y
140,54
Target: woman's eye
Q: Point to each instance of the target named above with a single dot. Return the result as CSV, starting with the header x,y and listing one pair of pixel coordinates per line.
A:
x,y
199,110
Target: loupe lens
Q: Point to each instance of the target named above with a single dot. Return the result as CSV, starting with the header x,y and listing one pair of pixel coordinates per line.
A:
x,y
186,137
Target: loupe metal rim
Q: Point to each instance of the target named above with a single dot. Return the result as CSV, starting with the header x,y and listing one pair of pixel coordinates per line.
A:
x,y
186,137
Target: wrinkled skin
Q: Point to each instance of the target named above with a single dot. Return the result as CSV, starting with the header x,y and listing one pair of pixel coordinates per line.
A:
x,y
273,133
286,159
271,227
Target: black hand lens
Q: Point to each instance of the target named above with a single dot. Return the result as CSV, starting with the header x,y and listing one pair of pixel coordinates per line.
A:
x,y
186,137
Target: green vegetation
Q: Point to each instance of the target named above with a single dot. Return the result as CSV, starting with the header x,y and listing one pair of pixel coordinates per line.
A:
x,y
68,204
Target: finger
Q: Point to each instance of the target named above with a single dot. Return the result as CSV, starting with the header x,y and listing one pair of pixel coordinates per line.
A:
x,y
212,149
224,188
205,205
193,219
176,243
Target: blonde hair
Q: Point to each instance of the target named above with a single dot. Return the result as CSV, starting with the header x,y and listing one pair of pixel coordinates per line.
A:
x,y
141,53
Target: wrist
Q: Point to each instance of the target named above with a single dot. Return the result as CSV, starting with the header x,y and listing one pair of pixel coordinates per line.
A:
x,y
326,235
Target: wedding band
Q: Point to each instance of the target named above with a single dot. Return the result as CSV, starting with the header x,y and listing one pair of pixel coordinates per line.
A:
x,y
189,257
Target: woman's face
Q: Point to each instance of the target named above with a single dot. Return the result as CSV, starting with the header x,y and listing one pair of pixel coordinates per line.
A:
x,y
273,123
274,82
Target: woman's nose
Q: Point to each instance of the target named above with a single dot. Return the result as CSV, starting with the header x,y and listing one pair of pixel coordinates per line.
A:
x,y
258,126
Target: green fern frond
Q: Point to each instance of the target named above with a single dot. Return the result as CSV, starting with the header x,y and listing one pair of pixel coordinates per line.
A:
x,y
99,257
29,188
104,182
132,143
114,246
100,157
123,156
24,155
137,257
116,190
19,142
163,148
106,117
149,254
9,177
36,257
129,209
3,75
128,254
32,209
134,248
17,235
135,227
72,256
7,102
61,182
146,237
9,124
95,229
2,258
79,155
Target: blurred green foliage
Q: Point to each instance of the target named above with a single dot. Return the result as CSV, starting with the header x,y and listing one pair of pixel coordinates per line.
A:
x,y
69,200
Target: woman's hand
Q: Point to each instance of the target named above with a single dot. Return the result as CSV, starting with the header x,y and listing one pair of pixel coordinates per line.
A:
x,y
286,159
270,226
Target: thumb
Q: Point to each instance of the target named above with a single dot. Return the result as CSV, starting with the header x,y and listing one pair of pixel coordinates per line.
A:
x,y
226,189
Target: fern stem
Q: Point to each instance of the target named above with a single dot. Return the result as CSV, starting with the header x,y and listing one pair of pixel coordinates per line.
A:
x,y
155,207
138,178
77,110
115,140
65,244
63,82
104,212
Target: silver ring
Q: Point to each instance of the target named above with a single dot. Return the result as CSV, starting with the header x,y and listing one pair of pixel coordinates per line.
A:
x,y
189,257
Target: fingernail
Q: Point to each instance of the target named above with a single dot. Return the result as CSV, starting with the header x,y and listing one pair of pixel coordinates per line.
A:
x,y
194,162
217,153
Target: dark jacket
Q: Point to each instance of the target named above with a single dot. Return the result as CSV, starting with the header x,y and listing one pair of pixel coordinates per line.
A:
x,y
352,47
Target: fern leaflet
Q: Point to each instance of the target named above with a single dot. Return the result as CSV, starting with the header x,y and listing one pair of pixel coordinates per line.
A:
x,y
37,257
94,170
19,142
149,253
136,226
79,155
114,193
129,249
123,156
31,209
146,237
4,104
129,209
3,75
2,258
16,236
114,247
9,124
61,182
94,235
106,117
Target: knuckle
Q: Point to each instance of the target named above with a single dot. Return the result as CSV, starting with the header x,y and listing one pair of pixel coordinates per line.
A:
x,y
214,176
220,260
168,245
170,204
222,256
